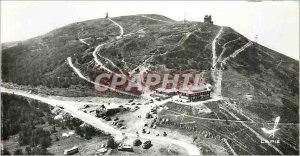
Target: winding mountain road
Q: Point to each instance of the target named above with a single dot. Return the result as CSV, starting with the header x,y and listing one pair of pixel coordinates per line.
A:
x,y
95,52
78,72
73,106
121,28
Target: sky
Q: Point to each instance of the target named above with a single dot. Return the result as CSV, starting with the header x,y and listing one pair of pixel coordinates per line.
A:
x,y
275,23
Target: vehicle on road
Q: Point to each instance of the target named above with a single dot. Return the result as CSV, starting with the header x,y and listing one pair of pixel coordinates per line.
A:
x,y
123,147
123,127
61,107
147,144
86,106
119,125
116,119
137,142
136,107
107,119
71,151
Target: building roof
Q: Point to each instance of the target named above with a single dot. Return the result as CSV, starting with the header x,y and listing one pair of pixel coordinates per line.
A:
x,y
195,89
167,90
190,92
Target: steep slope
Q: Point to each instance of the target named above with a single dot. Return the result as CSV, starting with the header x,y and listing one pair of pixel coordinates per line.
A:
x,y
151,41
147,40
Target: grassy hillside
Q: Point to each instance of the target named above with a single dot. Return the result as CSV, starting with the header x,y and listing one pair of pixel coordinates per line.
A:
x,y
157,42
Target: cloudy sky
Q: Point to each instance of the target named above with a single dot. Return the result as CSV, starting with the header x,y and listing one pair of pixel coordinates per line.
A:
x,y
275,23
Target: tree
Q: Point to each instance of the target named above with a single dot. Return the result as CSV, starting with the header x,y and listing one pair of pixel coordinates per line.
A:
x,y
111,142
5,152
79,131
56,138
45,142
18,152
87,132
27,150
38,151
54,129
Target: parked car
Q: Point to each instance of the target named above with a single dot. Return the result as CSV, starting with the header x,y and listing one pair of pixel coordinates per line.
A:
x,y
119,125
123,127
123,147
164,134
147,144
86,106
137,142
71,151
107,119
148,116
61,107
